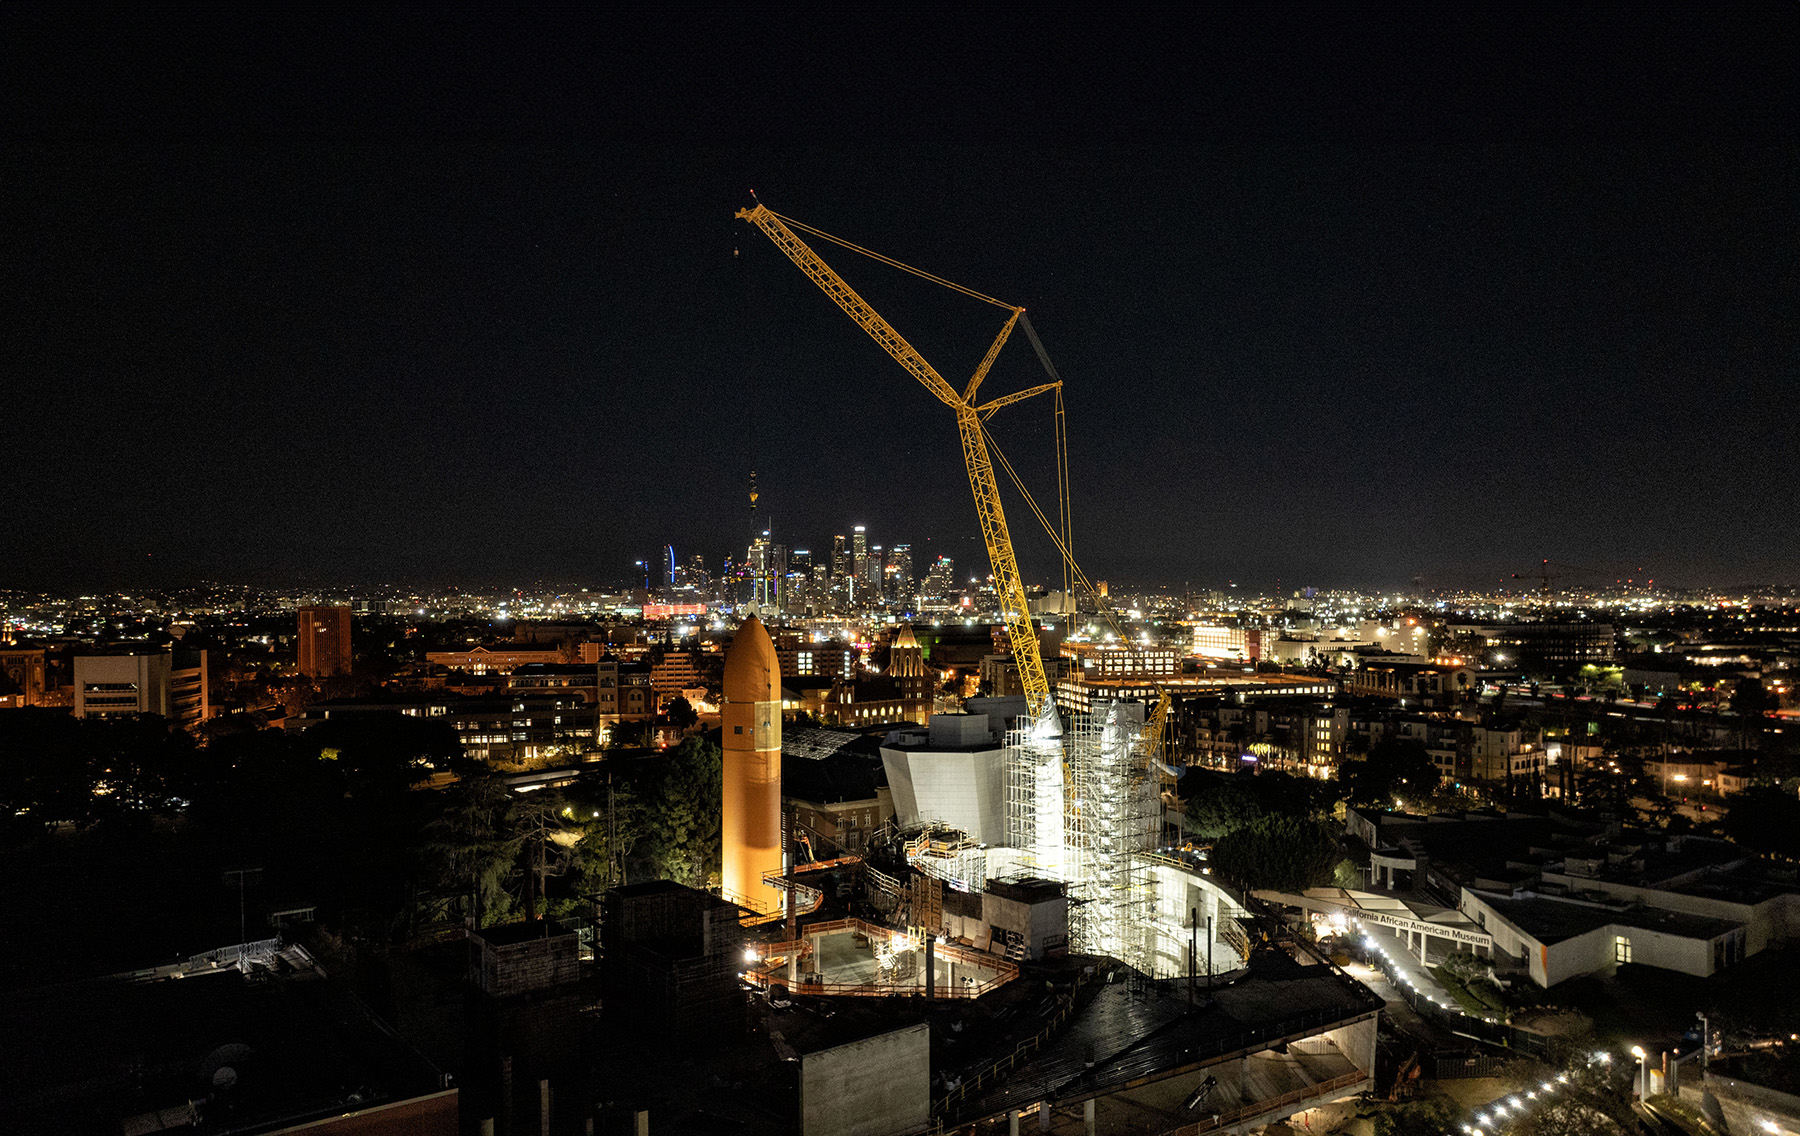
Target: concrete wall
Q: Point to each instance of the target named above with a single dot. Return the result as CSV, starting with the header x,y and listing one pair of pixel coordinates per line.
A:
x,y
505,969
1035,922
1746,1107
1592,952
879,1086
1670,901
1178,891
1357,1042
1583,954
963,789
1772,922
1671,952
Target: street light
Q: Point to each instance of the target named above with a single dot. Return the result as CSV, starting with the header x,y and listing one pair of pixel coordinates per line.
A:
x,y
1643,1073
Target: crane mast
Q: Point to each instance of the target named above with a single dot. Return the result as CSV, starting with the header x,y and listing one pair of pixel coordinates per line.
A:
x,y
1021,632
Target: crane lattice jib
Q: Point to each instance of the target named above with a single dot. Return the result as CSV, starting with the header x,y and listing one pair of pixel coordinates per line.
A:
x,y
1021,633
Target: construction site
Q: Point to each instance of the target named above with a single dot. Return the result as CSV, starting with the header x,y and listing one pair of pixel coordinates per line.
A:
x,y
1082,798
1014,945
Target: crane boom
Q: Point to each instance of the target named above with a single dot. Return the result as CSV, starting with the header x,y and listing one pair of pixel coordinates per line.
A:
x,y
1021,632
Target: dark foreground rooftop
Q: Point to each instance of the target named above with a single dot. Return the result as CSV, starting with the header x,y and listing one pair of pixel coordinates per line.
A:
x,y
252,1054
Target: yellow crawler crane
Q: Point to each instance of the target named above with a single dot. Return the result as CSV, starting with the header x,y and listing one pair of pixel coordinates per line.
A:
x,y
969,419
979,452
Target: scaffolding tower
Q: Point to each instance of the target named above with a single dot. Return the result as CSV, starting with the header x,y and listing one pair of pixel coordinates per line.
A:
x,y
1036,808
1113,813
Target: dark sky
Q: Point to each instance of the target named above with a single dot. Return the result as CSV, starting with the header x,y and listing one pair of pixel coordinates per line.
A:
x,y
1341,298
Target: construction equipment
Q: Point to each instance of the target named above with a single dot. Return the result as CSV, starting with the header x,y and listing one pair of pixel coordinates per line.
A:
x,y
970,419
980,453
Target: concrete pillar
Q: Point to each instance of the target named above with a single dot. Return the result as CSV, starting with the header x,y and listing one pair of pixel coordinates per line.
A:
x,y
1087,1116
543,1106
1422,960
1044,1117
1012,1122
486,1127
640,1123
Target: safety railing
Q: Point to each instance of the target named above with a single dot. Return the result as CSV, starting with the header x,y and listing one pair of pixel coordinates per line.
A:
x,y
1257,1108
1003,970
1245,1042
998,1069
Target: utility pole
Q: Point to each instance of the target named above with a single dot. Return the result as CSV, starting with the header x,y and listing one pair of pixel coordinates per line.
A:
x,y
1193,950
1209,943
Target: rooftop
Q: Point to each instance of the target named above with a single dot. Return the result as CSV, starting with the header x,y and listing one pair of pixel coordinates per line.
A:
x,y
297,1047
1550,920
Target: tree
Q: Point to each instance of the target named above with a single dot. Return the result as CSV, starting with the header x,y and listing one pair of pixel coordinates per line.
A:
x,y
385,752
1764,818
536,820
1395,767
1420,1118
470,852
681,714
684,810
1586,1099
1219,804
1281,853
610,821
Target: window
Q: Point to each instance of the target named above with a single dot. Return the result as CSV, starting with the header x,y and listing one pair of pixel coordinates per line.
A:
x,y
1621,949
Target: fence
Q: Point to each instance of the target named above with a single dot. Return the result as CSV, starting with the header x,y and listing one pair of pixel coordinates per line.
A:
x,y
1494,1033
1457,1066
1542,1046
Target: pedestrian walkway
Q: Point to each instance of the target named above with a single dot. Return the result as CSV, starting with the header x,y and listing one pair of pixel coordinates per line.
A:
x,y
1404,969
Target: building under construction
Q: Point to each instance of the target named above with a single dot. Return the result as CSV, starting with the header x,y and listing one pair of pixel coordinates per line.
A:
x,y
1080,803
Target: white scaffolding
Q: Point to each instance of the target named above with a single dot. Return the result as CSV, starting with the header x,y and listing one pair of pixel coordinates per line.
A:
x,y
1035,809
1113,814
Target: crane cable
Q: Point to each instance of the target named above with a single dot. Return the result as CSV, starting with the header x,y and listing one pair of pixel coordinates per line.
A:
x,y
919,272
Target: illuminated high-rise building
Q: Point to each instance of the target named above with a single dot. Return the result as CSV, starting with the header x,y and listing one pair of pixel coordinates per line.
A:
x,y
940,584
897,577
760,565
324,641
840,556
859,547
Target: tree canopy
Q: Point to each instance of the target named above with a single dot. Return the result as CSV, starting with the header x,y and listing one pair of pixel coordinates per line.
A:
x,y
684,807
1765,818
1395,767
1282,853
1221,803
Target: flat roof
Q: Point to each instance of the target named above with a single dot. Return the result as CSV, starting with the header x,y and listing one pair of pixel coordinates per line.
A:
x,y
1550,920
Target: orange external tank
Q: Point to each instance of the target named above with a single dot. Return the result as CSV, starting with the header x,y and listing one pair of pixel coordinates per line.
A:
x,y
751,826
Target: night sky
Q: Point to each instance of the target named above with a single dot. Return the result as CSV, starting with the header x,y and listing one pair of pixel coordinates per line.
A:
x,y
1341,299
